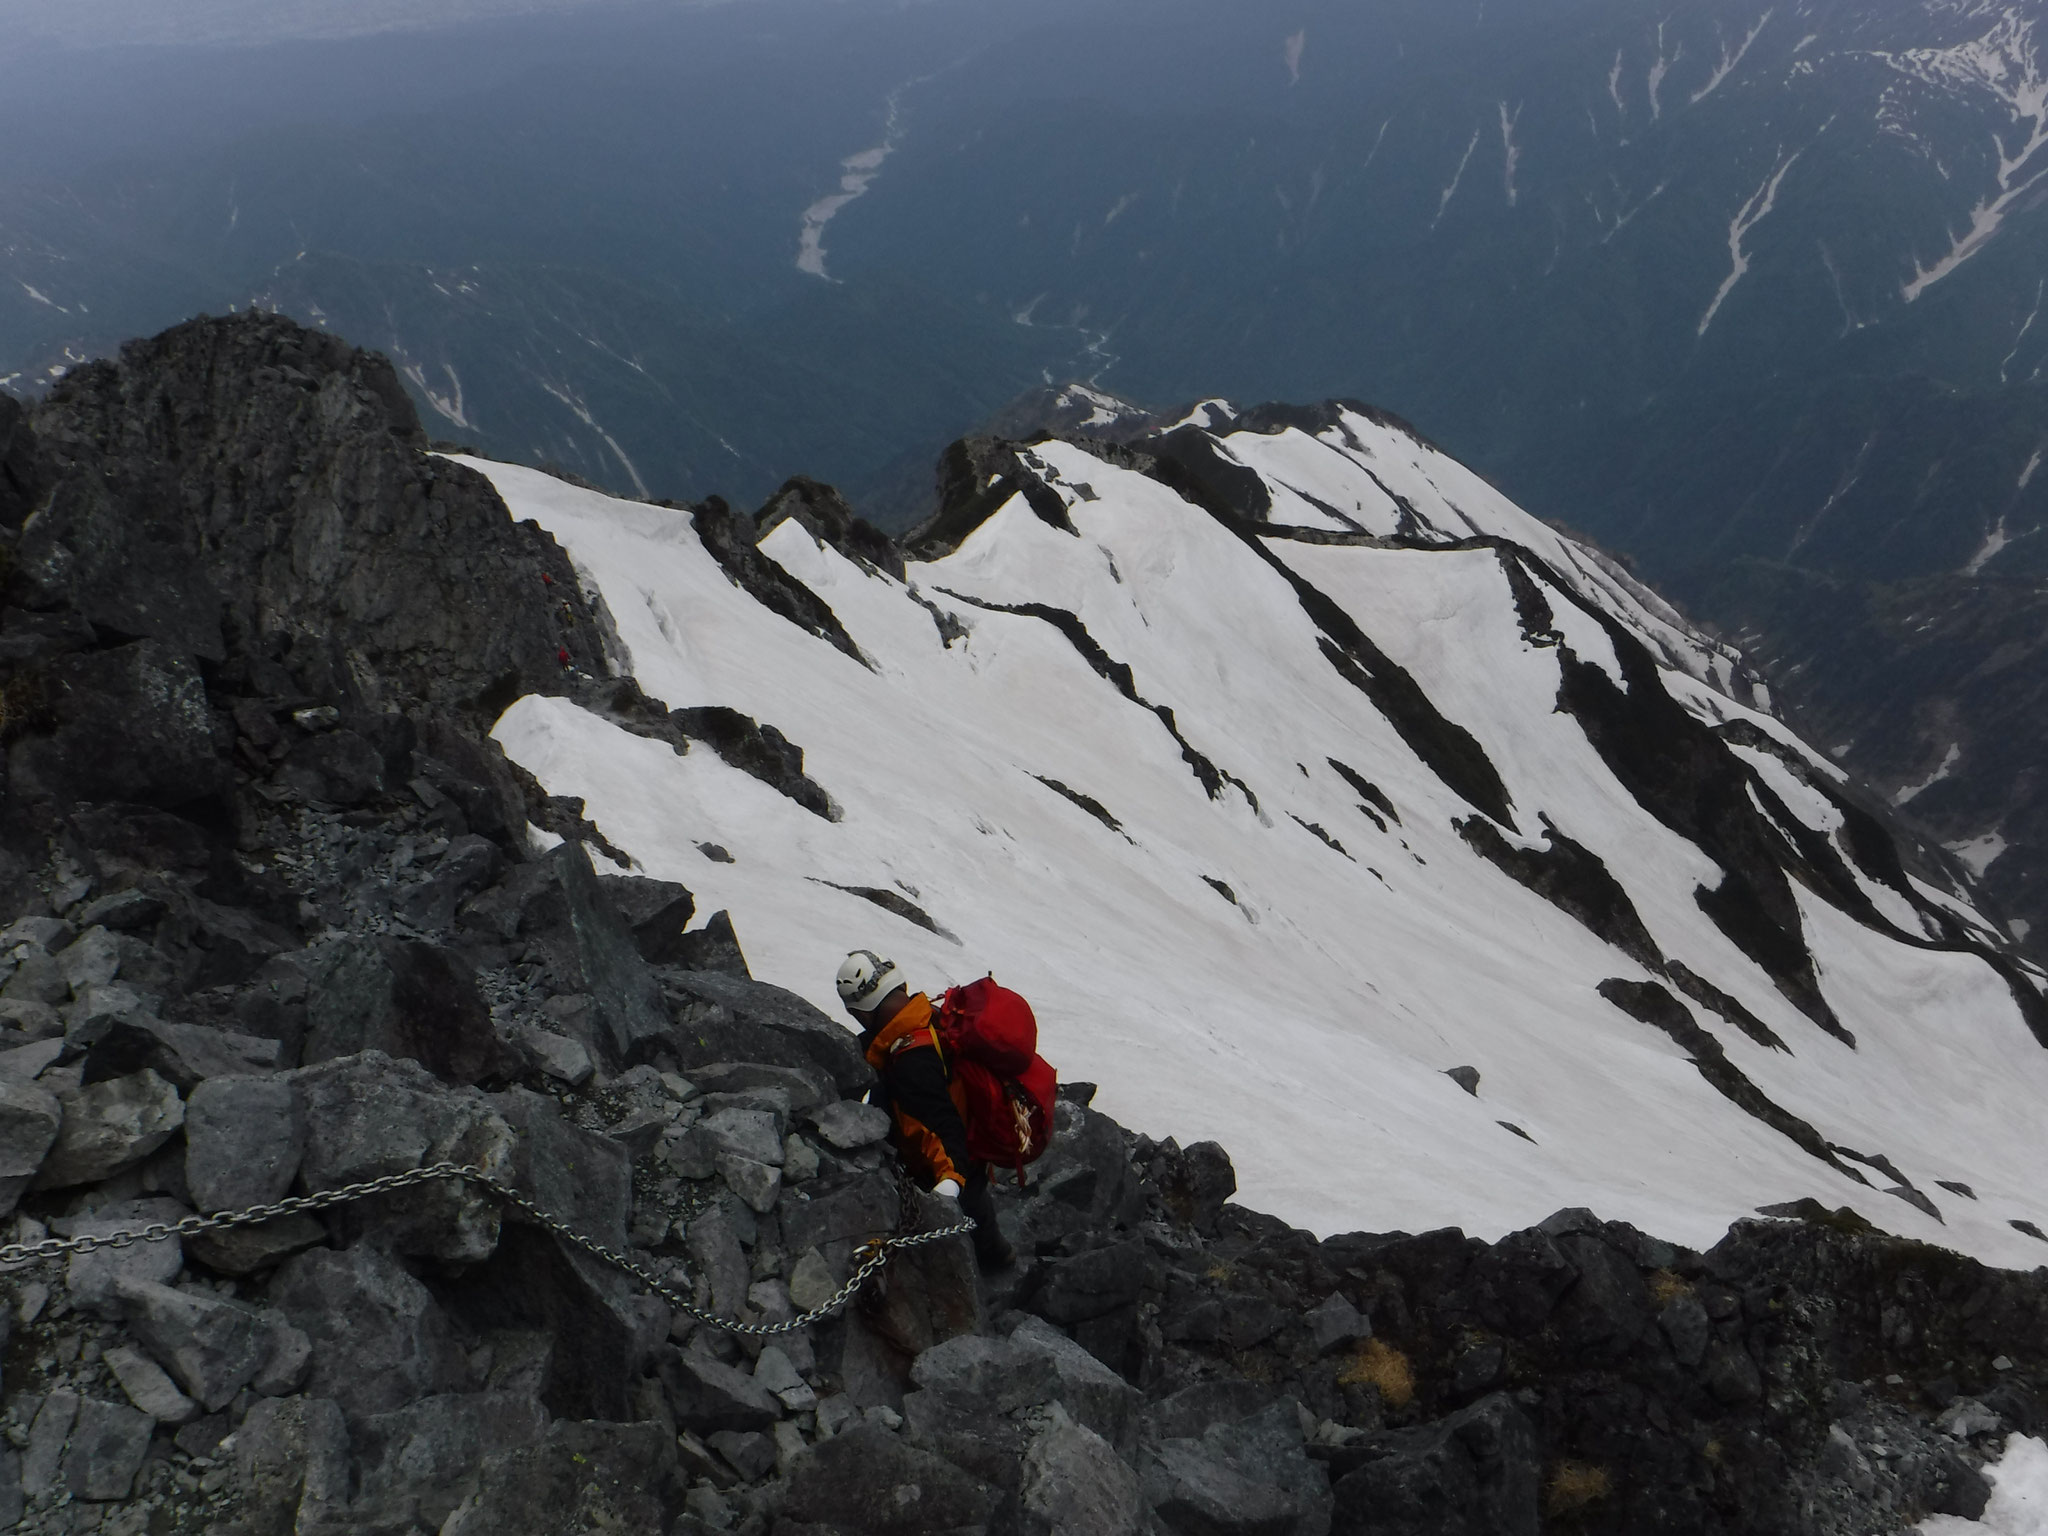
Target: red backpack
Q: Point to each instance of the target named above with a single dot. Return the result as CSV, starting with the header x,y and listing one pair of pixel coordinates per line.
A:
x,y
990,1040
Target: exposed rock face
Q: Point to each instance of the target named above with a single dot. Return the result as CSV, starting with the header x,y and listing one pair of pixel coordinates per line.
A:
x,y
317,948
268,479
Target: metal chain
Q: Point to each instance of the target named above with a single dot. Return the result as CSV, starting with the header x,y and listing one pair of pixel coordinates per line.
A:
x,y
873,1254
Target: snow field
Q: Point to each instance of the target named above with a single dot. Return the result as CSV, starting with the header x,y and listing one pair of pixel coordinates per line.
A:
x,y
1307,1024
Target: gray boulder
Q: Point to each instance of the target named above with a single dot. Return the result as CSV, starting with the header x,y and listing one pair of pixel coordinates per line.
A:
x,y
1075,1483
657,912
378,1339
576,1174
91,1276
25,1063
722,1018
129,724
108,1442
755,1183
861,1482
1095,1283
992,1371
102,1005
367,1116
1094,1394
714,947
46,933
212,1346
557,1056
37,978
705,1395
149,1387
184,1055
1334,1322
1476,1473
850,1126
29,1121
29,1021
244,1137
109,1126
800,1088
580,1477
866,1207
291,1464
245,1250
42,1459
1242,1474
122,911
406,998
99,956
595,953
749,1133
469,864
418,1463
716,1253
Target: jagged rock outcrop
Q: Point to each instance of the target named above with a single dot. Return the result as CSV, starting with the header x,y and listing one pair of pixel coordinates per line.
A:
x,y
303,937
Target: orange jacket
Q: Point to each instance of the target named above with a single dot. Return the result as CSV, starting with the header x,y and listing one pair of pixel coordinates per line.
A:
x,y
896,1051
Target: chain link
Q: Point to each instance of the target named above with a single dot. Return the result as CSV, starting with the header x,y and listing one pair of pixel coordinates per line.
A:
x,y
873,1254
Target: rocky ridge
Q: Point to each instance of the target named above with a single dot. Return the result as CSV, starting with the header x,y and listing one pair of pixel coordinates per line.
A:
x,y
279,918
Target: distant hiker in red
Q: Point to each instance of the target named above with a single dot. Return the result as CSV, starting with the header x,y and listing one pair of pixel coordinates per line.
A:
x,y
962,1082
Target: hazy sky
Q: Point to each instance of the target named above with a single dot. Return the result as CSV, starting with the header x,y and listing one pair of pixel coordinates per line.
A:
x,y
94,22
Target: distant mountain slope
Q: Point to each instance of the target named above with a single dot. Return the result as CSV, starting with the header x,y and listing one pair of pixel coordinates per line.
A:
x,y
1751,291
1288,766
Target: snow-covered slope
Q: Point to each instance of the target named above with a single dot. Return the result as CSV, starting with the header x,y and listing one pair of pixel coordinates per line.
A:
x,y
1285,765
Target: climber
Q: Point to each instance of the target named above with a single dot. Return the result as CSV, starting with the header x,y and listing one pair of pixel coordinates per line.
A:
x,y
925,1103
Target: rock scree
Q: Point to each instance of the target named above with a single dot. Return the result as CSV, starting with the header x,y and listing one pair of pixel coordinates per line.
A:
x,y
277,921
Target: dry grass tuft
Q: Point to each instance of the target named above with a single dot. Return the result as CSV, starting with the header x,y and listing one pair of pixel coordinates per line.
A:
x,y
1381,1365
1574,1485
1666,1287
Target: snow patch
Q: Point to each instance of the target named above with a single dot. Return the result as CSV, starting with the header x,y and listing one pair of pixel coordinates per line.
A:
x,y
857,174
1451,191
1291,52
1730,60
2026,325
1752,213
1948,763
581,412
1510,151
1979,853
1996,540
2019,1494
2004,64
1659,70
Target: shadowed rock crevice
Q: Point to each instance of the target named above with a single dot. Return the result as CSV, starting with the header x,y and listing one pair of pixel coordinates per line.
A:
x,y
1322,836
1088,803
1572,878
890,901
1448,750
977,477
756,749
824,514
1650,1003
1685,776
731,538
1119,675
1371,791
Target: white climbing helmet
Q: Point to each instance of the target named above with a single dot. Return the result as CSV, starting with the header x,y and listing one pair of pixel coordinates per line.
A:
x,y
865,978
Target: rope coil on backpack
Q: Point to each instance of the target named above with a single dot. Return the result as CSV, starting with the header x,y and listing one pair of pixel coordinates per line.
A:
x,y
872,1255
